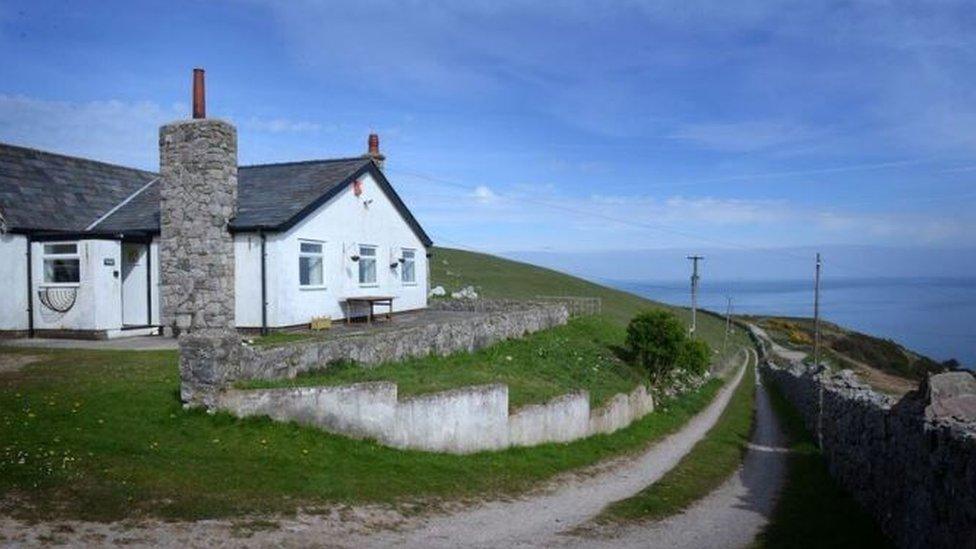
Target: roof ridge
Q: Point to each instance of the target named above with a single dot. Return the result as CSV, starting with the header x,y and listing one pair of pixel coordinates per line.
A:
x,y
316,161
72,157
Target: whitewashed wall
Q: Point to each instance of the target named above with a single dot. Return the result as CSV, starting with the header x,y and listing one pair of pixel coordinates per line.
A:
x,y
338,224
13,278
99,302
459,421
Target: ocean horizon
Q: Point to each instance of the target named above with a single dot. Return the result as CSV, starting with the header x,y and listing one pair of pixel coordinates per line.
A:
x,y
932,316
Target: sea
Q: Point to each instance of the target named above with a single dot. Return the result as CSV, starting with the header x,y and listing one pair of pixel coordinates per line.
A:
x,y
932,316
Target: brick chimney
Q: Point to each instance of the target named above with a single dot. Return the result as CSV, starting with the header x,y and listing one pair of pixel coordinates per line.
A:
x,y
373,150
198,192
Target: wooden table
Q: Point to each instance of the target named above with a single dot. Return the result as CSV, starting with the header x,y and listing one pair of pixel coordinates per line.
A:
x,y
372,301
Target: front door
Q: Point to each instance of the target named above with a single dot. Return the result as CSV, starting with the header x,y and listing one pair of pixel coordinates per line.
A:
x,y
135,284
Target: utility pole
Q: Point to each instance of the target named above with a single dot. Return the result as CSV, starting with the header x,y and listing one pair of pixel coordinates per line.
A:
x,y
816,315
728,322
694,291
816,353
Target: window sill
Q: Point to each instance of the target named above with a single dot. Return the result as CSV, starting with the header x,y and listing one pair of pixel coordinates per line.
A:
x,y
312,288
44,285
410,284
369,285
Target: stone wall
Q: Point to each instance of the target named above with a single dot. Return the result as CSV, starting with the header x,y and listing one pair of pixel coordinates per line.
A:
x,y
910,463
471,419
490,321
198,198
487,322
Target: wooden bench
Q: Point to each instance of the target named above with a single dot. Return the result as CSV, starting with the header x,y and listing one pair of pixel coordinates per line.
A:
x,y
372,301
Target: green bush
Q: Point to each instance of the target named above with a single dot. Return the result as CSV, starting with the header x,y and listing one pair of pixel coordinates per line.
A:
x,y
655,339
694,356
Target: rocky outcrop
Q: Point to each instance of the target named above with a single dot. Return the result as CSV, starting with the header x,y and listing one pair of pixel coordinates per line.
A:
x,y
910,463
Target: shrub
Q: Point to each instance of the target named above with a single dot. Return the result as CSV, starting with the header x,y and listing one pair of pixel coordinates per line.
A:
x,y
694,356
655,339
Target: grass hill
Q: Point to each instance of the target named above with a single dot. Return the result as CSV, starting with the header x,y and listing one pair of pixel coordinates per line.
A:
x,y
495,277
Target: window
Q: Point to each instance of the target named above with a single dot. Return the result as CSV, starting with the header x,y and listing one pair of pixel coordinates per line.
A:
x,y
310,265
367,264
409,273
61,264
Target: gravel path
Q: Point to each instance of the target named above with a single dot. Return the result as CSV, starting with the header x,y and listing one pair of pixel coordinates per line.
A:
x,y
732,515
535,520
539,520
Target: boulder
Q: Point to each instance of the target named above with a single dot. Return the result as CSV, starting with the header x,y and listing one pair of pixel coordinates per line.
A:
x,y
951,394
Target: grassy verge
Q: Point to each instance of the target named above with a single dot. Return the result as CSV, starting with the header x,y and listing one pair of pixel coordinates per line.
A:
x,y
101,435
702,470
580,355
813,511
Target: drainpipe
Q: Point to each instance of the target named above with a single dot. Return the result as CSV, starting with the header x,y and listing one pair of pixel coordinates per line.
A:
x,y
30,289
264,287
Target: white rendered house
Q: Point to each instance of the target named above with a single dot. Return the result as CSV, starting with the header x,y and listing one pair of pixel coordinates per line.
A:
x,y
79,244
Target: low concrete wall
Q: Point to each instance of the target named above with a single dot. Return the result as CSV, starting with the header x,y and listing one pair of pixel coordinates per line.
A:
x,y
908,463
459,421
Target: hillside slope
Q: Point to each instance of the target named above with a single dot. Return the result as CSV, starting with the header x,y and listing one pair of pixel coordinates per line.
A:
x,y
495,277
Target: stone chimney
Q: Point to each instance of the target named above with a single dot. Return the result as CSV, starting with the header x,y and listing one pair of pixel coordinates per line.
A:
x,y
198,169
373,150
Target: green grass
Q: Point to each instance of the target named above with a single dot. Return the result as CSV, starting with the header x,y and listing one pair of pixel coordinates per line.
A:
x,y
709,463
101,435
813,511
583,355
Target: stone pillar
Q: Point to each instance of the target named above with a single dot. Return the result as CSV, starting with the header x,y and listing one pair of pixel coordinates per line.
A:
x,y
198,167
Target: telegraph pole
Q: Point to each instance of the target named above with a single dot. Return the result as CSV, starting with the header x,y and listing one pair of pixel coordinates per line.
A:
x,y
816,315
694,291
728,322
816,353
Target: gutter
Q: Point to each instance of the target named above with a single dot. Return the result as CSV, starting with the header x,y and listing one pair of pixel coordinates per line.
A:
x,y
264,286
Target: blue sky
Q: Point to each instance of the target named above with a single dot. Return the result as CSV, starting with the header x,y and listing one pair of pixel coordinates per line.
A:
x,y
566,127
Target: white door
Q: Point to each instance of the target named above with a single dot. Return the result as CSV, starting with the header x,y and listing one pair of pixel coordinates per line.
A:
x,y
135,284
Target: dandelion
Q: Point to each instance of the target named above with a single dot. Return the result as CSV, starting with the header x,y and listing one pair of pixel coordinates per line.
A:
x,y
264,441
101,421
305,451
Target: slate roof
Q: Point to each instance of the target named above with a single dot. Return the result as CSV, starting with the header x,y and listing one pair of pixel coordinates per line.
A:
x,y
40,190
271,197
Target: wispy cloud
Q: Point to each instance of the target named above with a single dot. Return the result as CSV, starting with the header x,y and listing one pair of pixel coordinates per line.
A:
x,y
745,136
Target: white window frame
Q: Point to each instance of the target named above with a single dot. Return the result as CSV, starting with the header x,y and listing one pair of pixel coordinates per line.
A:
x,y
362,257
320,255
45,256
403,266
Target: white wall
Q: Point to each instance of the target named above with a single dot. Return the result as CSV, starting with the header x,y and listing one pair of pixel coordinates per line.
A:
x,y
247,279
13,280
99,302
338,224
154,281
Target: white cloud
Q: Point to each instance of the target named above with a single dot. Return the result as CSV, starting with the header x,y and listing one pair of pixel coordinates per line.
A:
x,y
121,132
113,131
484,194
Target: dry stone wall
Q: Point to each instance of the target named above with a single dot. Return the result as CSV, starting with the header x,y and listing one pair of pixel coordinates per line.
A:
x,y
910,463
460,421
210,362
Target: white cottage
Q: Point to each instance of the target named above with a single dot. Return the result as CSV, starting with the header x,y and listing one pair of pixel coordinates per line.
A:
x,y
79,244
